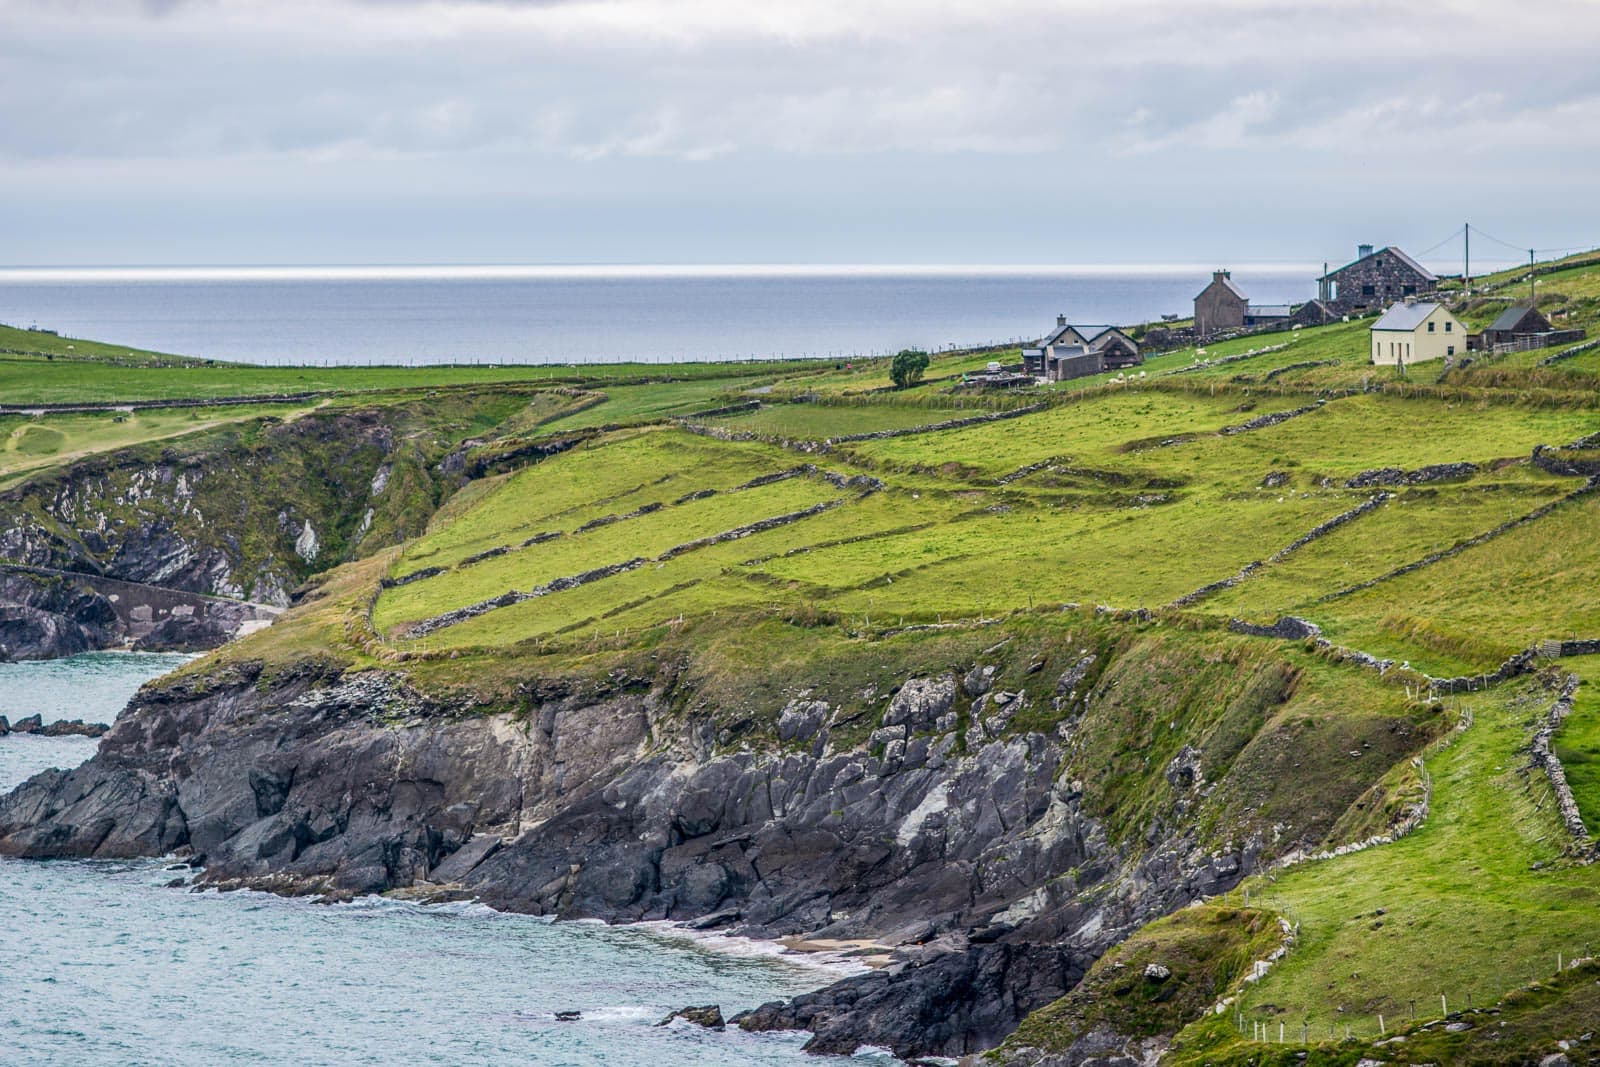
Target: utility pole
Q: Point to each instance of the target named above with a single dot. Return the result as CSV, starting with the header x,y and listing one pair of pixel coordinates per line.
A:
x,y
1533,301
1466,259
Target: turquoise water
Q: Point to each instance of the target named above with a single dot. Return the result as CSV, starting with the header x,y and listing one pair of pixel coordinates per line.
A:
x,y
92,687
101,964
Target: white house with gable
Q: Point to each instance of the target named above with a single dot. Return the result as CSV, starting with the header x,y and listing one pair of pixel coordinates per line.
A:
x,y
1415,333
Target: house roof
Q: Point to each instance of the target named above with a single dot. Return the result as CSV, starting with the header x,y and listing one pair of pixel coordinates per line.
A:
x,y
1424,272
1089,333
1226,283
1512,317
1406,316
1270,311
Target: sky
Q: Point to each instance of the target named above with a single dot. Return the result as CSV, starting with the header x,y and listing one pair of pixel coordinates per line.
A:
x,y
792,131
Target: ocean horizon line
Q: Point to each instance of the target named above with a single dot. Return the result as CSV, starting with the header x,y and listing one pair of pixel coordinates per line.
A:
x,y
601,271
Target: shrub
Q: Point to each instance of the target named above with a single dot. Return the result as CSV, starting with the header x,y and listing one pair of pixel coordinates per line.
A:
x,y
907,368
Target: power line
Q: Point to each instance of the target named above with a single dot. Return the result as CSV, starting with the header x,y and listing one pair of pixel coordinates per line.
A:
x,y
1569,248
1483,233
1453,235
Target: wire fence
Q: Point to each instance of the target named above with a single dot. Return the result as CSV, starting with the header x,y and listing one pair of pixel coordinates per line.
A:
x,y
1376,1014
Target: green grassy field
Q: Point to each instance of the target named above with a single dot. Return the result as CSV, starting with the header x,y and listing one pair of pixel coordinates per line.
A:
x,y
31,444
1461,907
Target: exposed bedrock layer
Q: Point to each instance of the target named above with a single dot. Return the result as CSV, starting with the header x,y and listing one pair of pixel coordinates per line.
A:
x,y
950,834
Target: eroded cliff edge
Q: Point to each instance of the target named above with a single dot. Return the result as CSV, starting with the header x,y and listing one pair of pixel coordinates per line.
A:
x,y
1015,801
178,545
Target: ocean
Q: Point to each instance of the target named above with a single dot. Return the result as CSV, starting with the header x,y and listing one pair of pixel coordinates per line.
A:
x,y
102,964
597,314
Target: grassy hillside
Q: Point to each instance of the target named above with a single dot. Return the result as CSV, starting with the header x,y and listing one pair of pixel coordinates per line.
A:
x,y
622,527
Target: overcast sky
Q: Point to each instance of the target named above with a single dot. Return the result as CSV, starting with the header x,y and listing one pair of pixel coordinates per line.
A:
x,y
767,131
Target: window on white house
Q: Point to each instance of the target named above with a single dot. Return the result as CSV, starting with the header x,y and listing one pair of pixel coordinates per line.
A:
x,y
1447,326
1430,327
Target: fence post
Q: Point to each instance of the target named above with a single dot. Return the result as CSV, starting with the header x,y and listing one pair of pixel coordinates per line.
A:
x,y
1381,1030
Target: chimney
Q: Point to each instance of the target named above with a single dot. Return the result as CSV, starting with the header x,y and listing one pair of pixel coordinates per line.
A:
x,y
1061,320
1218,275
1363,251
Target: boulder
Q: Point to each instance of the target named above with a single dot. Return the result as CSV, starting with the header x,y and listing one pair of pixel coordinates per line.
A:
x,y
800,719
920,702
27,725
707,1015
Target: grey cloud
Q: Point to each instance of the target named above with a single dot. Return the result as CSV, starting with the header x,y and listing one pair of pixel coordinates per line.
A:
x,y
1040,101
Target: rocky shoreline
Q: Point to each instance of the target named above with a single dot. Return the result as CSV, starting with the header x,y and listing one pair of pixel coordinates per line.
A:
x,y
952,840
33,724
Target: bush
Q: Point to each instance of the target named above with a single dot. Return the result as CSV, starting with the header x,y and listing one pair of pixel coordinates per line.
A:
x,y
907,368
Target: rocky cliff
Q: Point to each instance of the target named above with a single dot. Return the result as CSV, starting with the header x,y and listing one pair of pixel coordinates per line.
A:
x,y
245,513
970,826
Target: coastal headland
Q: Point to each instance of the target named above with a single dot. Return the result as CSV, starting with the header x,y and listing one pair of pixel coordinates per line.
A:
x,y
1234,708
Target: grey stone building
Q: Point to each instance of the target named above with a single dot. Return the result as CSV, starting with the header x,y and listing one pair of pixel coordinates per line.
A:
x,y
1219,306
1374,280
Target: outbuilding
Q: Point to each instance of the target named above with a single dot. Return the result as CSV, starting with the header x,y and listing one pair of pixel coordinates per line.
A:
x,y
1516,321
1416,333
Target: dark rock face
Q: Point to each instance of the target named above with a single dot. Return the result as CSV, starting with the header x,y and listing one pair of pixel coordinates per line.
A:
x,y
27,725
74,728
951,1004
971,866
46,614
41,619
707,1015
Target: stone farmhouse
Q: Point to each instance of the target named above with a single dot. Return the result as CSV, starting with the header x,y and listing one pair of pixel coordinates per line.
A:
x,y
1416,332
1077,351
1374,280
1222,306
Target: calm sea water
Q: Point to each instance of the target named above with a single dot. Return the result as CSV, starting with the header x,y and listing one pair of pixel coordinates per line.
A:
x,y
495,315
100,964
